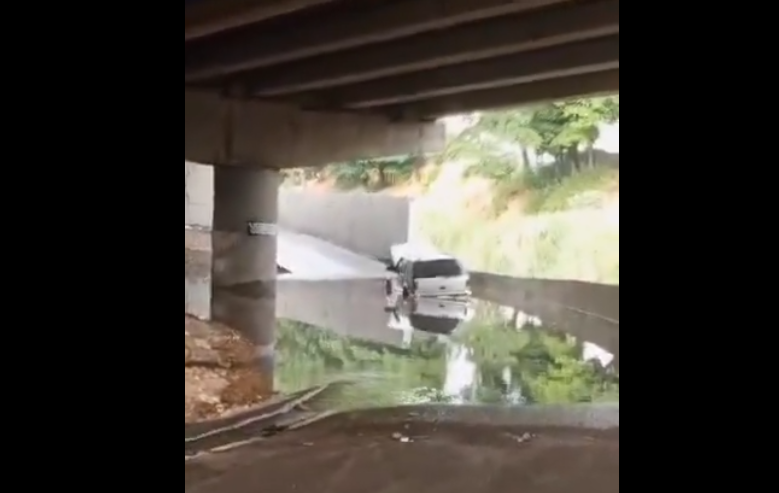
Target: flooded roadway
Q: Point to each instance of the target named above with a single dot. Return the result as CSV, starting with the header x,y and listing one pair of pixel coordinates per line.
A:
x,y
491,358
480,396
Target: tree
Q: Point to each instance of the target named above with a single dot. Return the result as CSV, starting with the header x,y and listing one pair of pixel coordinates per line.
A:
x,y
498,142
373,174
578,123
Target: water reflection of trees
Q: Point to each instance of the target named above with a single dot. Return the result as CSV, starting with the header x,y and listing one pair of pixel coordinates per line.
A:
x,y
382,375
528,365
535,364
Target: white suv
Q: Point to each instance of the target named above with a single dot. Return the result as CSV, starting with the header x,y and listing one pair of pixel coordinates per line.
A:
x,y
424,272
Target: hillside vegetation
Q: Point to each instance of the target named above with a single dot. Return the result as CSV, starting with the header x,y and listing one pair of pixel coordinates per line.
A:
x,y
521,192
578,239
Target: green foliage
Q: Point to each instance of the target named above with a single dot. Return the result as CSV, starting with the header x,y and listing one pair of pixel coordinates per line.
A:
x,y
501,140
547,368
377,375
493,141
499,144
299,176
558,195
503,147
573,123
375,174
582,244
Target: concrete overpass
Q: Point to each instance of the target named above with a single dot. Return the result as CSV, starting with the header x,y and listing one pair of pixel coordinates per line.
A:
x,y
410,60
273,84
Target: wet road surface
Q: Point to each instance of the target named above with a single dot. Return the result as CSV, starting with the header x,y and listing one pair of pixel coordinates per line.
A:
x,y
397,451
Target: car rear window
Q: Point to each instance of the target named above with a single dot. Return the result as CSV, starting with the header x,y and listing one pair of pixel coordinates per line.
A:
x,y
427,269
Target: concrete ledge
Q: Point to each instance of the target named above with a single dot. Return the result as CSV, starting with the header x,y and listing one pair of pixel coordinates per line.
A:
x,y
600,300
249,133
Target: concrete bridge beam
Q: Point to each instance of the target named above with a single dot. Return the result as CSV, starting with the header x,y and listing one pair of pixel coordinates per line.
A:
x,y
219,130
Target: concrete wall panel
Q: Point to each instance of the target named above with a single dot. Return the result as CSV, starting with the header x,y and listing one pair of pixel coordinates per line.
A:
x,y
198,195
368,224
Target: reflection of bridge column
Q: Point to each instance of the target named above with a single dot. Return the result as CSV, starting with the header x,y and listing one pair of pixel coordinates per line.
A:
x,y
244,244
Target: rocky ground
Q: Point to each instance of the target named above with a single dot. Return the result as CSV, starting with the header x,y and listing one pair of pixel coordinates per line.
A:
x,y
218,377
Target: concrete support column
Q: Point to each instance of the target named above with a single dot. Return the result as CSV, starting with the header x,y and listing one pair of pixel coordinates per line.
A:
x,y
244,243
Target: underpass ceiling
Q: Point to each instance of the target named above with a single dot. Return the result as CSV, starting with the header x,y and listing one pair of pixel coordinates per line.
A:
x,y
407,59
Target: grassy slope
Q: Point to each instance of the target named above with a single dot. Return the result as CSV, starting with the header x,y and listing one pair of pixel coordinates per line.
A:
x,y
573,233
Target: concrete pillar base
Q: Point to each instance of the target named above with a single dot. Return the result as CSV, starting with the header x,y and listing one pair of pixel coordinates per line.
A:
x,y
244,248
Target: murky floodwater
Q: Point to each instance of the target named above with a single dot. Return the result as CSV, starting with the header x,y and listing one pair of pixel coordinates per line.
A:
x,y
496,356
435,352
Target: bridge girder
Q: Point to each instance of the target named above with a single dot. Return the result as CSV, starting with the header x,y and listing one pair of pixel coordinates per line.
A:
x,y
373,55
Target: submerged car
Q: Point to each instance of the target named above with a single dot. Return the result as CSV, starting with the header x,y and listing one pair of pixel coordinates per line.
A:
x,y
424,272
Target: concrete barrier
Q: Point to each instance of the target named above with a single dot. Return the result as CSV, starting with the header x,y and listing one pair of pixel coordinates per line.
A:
x,y
599,300
368,224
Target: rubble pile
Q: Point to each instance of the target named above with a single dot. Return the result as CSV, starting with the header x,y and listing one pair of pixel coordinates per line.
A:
x,y
218,375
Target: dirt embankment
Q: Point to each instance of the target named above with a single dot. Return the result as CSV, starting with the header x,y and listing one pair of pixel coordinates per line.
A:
x,y
218,373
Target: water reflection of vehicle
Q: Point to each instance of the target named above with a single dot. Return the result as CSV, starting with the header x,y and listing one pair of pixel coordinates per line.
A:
x,y
425,272
437,316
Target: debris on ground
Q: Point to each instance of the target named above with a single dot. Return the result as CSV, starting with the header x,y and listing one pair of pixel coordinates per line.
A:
x,y
260,422
218,377
402,438
521,439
